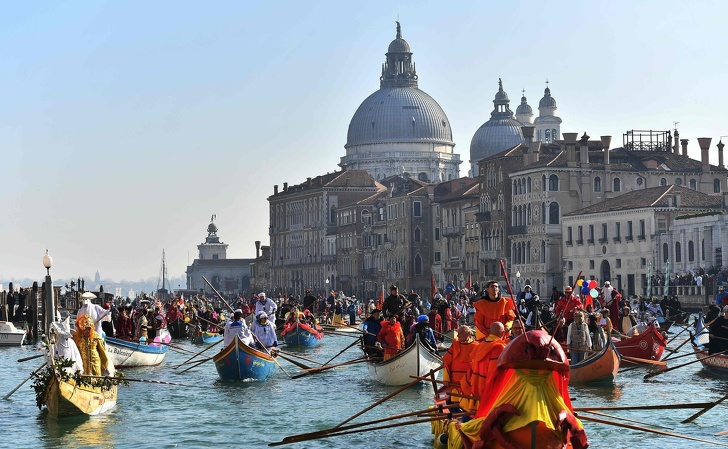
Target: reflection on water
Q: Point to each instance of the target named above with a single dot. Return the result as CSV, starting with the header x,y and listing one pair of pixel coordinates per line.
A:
x,y
598,393
75,432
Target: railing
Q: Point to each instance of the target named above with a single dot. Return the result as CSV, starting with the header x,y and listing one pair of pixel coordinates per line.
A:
x,y
328,259
453,230
490,254
514,230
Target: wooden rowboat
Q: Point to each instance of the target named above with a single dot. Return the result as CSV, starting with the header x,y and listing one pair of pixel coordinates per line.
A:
x,y
717,364
206,338
239,361
301,334
179,328
649,345
602,367
415,360
332,328
128,354
67,399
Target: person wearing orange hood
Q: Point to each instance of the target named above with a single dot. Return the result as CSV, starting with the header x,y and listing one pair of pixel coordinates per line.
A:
x,y
492,307
479,378
458,356
390,337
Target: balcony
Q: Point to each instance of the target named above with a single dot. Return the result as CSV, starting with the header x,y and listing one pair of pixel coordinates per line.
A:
x,y
602,241
483,216
328,259
617,239
517,230
450,231
579,241
590,241
453,264
491,254
369,273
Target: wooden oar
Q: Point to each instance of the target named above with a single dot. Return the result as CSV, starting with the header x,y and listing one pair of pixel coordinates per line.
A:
x,y
650,375
23,382
343,334
386,398
646,429
196,355
659,363
678,334
645,407
25,359
676,349
686,354
342,351
127,379
626,420
367,429
310,371
696,415
196,364
290,354
293,361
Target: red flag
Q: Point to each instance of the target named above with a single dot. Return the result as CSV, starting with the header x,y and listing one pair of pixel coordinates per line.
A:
x,y
469,284
433,290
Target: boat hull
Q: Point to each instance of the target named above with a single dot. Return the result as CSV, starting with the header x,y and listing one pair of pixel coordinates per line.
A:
x,y
648,345
11,335
298,335
126,354
178,329
239,361
602,367
206,338
413,361
718,364
67,399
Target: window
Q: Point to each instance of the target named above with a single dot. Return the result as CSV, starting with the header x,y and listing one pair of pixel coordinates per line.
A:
x,y
678,182
642,230
528,185
617,232
629,230
643,261
617,185
691,251
554,213
579,235
591,264
418,264
716,186
418,235
618,263
702,250
554,183
665,252
678,253
590,238
693,184
417,208
597,184
437,234
570,264
663,181
569,236
437,256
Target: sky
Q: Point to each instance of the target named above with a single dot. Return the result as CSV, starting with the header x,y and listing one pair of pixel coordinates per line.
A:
x,y
124,126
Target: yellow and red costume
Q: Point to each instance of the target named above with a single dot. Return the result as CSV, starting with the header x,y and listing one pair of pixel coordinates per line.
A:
x,y
488,311
392,338
483,366
90,346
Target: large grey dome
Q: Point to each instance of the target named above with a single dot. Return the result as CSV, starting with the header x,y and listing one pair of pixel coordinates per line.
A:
x,y
399,114
499,133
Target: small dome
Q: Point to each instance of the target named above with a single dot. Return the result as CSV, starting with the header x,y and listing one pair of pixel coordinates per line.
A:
x,y
547,101
399,45
212,228
524,108
501,95
494,136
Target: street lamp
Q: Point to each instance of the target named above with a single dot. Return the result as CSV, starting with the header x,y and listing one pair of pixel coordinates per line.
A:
x,y
518,281
48,308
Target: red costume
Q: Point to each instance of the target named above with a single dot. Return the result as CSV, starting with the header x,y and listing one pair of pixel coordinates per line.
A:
x,y
488,311
457,360
124,327
568,304
435,322
481,375
391,337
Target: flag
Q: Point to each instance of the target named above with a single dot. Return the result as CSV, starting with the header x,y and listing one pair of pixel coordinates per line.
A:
x,y
433,287
469,285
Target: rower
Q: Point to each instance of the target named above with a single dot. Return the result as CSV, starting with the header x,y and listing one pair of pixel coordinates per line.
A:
x,y
719,333
391,337
264,330
371,327
237,326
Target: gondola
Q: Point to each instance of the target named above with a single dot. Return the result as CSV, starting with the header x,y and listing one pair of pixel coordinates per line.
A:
x,y
128,354
602,367
298,333
65,398
239,361
415,360
179,328
649,344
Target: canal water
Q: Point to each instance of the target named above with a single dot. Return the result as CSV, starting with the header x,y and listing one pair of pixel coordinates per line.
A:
x,y
209,414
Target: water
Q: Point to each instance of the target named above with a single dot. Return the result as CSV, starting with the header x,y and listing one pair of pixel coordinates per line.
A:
x,y
251,415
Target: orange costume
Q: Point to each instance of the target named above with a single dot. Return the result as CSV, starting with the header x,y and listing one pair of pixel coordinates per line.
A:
x,y
481,375
392,338
488,311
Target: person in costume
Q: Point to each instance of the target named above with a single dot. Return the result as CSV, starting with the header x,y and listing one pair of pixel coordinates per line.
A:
x,y
237,327
395,303
481,375
391,337
626,321
578,338
427,337
371,327
492,307
265,331
124,326
457,359
91,347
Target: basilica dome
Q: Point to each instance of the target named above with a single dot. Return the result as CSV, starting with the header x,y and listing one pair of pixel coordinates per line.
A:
x,y
499,133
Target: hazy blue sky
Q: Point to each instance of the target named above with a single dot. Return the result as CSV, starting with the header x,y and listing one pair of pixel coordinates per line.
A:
x,y
125,125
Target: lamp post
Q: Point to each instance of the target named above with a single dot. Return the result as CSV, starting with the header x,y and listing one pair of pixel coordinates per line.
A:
x,y
48,308
518,281
327,286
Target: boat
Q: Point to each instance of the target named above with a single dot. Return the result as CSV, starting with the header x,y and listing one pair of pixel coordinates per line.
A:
x,y
66,398
206,338
718,363
649,344
179,328
239,361
701,337
332,328
11,335
415,360
298,333
129,354
601,367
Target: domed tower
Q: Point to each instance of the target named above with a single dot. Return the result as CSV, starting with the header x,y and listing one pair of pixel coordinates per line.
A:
x,y
213,248
548,125
524,113
499,133
399,129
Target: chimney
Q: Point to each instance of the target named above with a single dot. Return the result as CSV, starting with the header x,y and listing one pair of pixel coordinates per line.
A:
x,y
275,189
676,145
584,149
570,143
704,143
308,182
684,144
720,153
285,187
606,141
678,200
528,135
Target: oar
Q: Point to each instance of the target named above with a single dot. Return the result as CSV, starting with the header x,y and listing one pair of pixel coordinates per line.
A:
x,y
127,379
196,364
646,429
626,420
659,363
310,371
645,407
696,415
678,334
342,351
367,429
25,359
687,354
676,349
196,355
23,382
290,354
343,334
386,398
649,375
293,361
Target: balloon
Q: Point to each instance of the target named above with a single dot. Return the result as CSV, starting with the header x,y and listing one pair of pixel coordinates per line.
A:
x,y
594,293
592,284
585,290
579,282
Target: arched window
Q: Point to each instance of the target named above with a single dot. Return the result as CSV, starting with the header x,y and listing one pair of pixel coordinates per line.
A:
x,y
691,251
678,253
332,215
617,185
693,184
665,252
597,184
554,213
554,183
543,213
418,264
548,135
663,181
422,176
543,251
716,186
418,235
543,183
515,191
514,217
678,181
528,185
554,135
